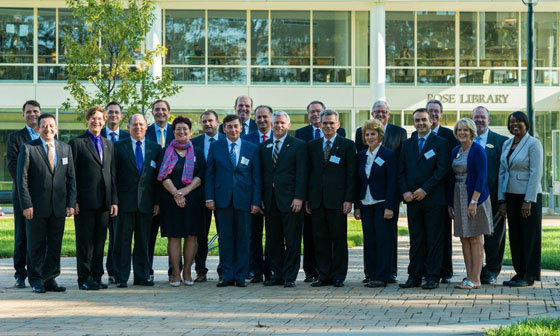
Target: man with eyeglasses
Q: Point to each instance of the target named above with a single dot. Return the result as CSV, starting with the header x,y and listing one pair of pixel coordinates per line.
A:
x,y
393,139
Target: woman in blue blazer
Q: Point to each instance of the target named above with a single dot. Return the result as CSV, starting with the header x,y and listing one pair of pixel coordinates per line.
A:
x,y
469,204
376,187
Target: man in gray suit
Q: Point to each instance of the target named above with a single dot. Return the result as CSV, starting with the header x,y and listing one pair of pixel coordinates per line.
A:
x,y
494,244
47,193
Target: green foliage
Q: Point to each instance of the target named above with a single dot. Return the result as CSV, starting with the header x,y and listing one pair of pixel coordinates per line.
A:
x,y
550,257
541,326
111,56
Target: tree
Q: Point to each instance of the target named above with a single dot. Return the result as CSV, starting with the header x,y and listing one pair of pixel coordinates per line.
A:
x,y
112,58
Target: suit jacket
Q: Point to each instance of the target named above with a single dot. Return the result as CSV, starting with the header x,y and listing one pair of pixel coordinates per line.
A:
x,y
393,139
306,133
477,178
418,171
448,135
522,173
382,179
287,179
137,191
240,184
331,184
198,141
494,145
95,179
252,128
255,137
15,141
122,134
152,136
47,192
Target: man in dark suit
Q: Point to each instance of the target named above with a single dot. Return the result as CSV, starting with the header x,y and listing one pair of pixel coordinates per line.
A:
x,y
97,198
114,133
332,165
423,168
47,194
494,245
435,109
258,265
243,106
31,112
137,163
210,122
160,132
393,139
233,188
306,134
284,173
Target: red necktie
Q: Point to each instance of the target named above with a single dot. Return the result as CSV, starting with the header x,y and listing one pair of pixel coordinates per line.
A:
x,y
264,137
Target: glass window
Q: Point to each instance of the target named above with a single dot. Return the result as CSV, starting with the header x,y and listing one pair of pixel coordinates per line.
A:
x,y
46,35
227,75
499,39
467,39
399,76
399,38
16,35
332,76
362,76
227,37
546,39
184,37
286,76
51,73
436,38
68,24
187,75
436,76
489,76
362,39
331,38
259,37
290,37
16,73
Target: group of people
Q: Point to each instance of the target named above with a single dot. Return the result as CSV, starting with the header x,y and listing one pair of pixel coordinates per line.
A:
x,y
250,174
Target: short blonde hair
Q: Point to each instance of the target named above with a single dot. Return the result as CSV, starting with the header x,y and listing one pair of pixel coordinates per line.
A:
x,y
373,125
465,122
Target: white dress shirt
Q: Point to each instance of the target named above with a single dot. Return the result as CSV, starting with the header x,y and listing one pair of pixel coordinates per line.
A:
x,y
368,200
108,132
143,147
280,143
237,148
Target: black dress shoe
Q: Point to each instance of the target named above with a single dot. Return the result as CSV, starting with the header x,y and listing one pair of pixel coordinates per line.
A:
x,y
393,279
310,278
122,284
257,278
273,282
366,280
338,283
430,284
320,283
39,290
200,277
508,283
147,283
376,284
224,283
54,287
289,284
240,283
89,286
521,283
101,284
491,280
20,283
445,280
410,283
112,280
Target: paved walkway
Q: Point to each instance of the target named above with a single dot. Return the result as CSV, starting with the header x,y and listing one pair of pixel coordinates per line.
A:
x,y
207,310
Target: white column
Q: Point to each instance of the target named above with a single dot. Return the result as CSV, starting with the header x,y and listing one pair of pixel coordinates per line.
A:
x,y
377,52
154,38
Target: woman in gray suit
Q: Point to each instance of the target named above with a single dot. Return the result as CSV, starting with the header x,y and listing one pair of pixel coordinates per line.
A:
x,y
520,198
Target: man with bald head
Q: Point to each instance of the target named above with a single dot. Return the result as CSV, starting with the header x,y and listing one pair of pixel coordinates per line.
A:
x,y
243,106
494,244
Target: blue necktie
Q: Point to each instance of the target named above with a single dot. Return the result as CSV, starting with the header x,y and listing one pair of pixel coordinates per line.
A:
x,y
139,157
232,155
317,133
113,137
477,139
421,145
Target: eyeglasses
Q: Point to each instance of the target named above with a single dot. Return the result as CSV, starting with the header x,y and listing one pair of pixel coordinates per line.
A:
x,y
380,112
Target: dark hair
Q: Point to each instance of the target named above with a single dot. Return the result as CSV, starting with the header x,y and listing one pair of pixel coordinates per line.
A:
x,y
92,110
161,101
113,103
32,103
434,101
208,112
315,102
521,117
264,106
420,110
229,118
181,119
45,116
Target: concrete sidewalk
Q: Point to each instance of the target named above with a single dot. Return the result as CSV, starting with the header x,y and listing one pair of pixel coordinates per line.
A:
x,y
206,310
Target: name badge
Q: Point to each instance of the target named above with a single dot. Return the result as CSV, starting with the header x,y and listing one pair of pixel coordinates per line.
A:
x,y
244,161
194,159
334,159
153,164
489,145
379,161
65,161
269,145
429,154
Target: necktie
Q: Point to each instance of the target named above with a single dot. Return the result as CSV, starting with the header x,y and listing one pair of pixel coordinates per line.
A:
x,y
232,155
317,133
478,139
50,155
99,147
139,157
421,145
161,138
276,151
211,140
113,137
327,150
263,137
243,131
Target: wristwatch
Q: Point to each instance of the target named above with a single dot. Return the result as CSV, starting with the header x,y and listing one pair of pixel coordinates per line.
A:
x,y
474,202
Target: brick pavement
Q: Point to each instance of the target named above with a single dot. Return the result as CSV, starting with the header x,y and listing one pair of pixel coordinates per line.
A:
x,y
206,310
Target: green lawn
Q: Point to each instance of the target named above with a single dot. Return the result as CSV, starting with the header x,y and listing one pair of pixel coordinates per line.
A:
x,y
529,327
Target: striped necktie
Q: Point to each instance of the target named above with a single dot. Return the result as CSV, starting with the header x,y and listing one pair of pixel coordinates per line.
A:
x,y
276,151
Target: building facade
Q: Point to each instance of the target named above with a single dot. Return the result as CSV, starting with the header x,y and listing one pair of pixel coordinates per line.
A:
x,y
287,53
